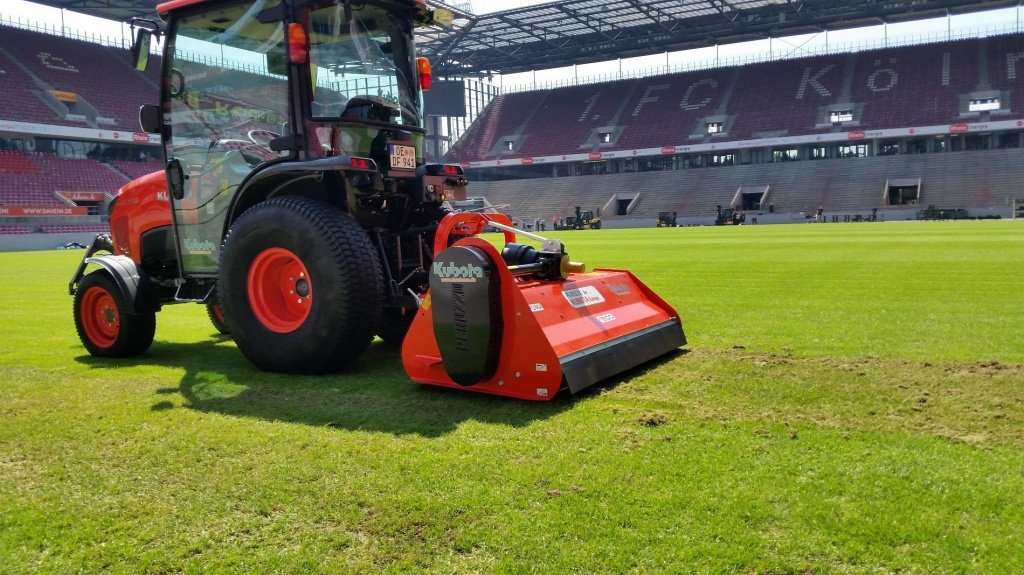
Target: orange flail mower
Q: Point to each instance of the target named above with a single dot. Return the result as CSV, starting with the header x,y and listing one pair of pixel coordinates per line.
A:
x,y
527,322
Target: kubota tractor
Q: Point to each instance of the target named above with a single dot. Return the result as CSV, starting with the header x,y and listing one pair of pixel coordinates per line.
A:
x,y
296,204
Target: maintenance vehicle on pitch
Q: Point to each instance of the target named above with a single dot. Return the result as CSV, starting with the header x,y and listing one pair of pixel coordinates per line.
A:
x,y
296,205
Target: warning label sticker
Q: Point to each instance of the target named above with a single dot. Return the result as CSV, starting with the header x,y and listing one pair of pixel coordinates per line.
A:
x,y
582,297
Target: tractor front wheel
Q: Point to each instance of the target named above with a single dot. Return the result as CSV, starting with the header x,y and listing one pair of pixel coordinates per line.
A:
x,y
103,322
300,281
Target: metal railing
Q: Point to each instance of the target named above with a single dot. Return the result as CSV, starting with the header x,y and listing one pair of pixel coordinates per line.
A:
x,y
64,32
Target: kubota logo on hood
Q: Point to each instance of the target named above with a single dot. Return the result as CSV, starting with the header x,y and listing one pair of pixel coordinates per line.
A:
x,y
454,273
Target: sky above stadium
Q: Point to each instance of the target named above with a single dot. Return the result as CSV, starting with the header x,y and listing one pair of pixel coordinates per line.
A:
x,y
978,24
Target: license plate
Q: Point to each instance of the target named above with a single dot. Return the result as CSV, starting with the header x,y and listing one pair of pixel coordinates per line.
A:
x,y
402,157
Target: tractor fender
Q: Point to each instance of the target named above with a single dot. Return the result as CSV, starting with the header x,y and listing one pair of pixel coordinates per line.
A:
x,y
262,184
130,280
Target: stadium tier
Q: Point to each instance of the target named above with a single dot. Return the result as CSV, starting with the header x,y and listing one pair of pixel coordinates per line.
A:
x,y
875,132
137,169
667,108
924,85
21,102
784,97
548,126
55,80
1006,67
33,178
75,229
918,85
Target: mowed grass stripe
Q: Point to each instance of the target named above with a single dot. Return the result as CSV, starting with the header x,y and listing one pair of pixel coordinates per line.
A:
x,y
943,290
852,402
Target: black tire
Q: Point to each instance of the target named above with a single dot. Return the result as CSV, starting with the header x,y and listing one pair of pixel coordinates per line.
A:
x,y
103,322
216,314
300,281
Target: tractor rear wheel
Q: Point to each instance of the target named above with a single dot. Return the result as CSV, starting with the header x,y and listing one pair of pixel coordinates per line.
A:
x,y
103,322
300,281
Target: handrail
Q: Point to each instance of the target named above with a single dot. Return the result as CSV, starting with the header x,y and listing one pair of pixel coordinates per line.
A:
x,y
64,32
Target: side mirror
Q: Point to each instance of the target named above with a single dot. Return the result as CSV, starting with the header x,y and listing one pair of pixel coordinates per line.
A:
x,y
140,49
175,179
443,17
150,118
437,17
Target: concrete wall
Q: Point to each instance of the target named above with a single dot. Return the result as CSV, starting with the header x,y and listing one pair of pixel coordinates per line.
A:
x,y
38,242
764,218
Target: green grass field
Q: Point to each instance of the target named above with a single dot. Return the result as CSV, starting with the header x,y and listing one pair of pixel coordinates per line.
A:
x,y
851,401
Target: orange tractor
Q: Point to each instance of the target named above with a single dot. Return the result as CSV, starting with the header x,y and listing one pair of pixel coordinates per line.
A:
x,y
296,205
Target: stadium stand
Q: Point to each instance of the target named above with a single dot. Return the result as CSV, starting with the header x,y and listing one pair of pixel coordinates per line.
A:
x,y
73,229
895,87
746,113
16,163
752,105
789,103
548,125
504,126
31,178
667,109
79,174
137,169
915,85
1006,68
12,230
83,71
21,103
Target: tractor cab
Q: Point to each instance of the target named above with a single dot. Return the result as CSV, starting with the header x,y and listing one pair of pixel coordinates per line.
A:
x,y
267,93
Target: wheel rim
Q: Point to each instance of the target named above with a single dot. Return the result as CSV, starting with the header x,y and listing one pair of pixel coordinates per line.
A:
x,y
218,313
280,290
100,319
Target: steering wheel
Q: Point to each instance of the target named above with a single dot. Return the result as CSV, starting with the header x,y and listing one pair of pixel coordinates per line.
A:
x,y
262,137
370,108
253,152
176,84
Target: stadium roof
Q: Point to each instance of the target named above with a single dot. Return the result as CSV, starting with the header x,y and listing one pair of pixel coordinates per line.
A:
x,y
567,32
120,10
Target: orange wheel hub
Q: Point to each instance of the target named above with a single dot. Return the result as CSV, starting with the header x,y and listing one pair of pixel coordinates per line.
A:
x,y
100,319
280,290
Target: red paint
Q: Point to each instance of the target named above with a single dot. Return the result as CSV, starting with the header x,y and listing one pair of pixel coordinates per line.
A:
x,y
141,205
542,325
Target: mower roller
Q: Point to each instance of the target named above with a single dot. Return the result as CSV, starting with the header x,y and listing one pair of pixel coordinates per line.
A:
x,y
527,322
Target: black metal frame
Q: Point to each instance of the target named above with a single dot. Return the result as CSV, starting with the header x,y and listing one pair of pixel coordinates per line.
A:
x,y
567,32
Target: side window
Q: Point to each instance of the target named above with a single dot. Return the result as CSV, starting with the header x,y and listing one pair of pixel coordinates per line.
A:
x,y
227,100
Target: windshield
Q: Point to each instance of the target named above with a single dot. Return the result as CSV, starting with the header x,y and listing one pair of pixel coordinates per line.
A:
x,y
363,67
